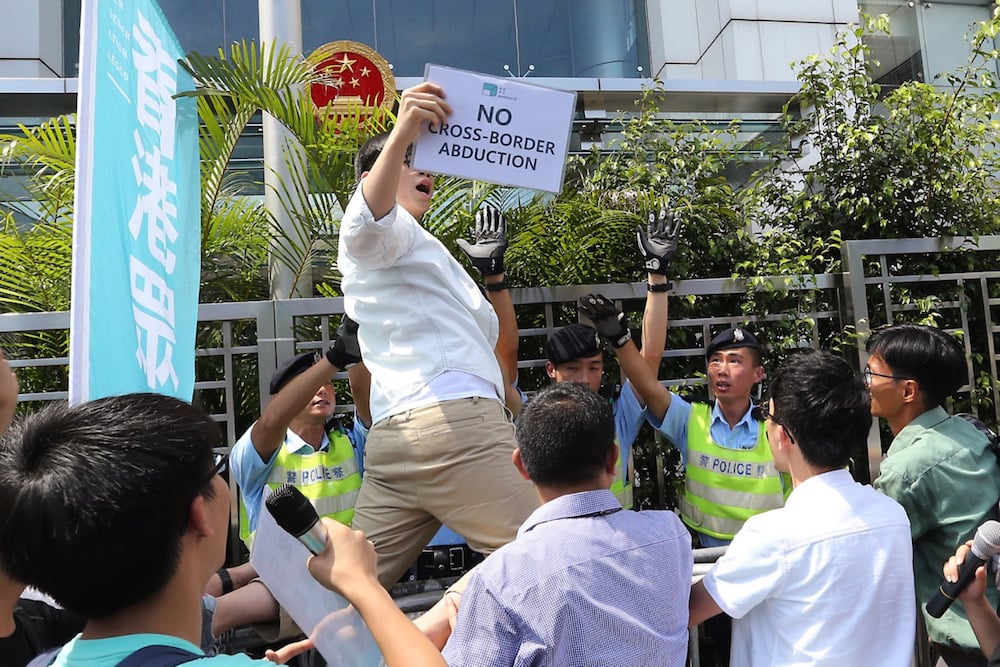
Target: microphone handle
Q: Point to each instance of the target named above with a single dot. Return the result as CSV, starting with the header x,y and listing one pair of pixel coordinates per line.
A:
x,y
948,591
314,539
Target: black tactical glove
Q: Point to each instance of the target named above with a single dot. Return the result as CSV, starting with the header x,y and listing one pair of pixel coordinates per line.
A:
x,y
658,242
345,351
610,322
490,237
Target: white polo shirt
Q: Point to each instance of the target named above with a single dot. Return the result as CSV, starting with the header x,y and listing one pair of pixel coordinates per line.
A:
x,y
825,580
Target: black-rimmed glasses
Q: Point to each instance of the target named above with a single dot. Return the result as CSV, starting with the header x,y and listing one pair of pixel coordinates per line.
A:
x,y
868,374
761,414
221,463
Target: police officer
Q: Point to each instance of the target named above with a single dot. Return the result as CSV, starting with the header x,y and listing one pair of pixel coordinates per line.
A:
x,y
730,475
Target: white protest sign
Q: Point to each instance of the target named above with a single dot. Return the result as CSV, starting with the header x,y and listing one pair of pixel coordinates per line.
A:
x,y
338,631
500,131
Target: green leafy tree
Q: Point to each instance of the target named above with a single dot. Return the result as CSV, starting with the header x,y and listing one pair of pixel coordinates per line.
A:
x,y
684,163
918,161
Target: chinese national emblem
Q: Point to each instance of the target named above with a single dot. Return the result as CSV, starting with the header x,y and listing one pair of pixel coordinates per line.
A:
x,y
354,76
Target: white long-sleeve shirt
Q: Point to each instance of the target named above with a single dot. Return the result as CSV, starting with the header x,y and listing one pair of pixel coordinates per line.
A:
x,y
426,330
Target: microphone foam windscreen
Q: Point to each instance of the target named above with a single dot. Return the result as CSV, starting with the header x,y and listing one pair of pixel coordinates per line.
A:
x,y
292,510
986,543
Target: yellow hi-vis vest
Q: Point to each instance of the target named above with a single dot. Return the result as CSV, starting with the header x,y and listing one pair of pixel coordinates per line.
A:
x,y
329,479
725,487
622,486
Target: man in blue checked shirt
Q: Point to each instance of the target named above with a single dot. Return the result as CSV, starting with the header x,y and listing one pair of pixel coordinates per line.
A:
x,y
584,582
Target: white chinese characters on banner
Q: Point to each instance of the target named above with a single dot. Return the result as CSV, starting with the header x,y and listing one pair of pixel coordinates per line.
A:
x,y
136,241
155,211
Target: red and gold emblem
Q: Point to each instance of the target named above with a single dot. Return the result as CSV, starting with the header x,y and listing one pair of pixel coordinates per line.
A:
x,y
355,76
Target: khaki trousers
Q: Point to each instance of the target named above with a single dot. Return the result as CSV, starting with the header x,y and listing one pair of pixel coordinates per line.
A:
x,y
444,463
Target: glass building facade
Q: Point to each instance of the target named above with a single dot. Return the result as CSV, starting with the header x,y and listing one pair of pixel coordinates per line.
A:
x,y
927,40
553,38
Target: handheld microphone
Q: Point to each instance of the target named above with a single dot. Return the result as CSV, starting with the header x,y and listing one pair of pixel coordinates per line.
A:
x,y
293,512
985,544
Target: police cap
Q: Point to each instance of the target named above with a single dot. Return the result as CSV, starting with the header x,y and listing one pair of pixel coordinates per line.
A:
x,y
732,338
575,341
291,368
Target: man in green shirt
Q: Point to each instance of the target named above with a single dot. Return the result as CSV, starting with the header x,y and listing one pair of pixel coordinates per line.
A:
x,y
940,468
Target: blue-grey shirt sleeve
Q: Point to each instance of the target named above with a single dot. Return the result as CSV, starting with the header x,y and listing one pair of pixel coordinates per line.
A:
x,y
629,415
358,435
485,633
250,473
674,425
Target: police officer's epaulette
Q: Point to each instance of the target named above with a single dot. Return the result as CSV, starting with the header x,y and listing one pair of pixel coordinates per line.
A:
x,y
336,423
610,391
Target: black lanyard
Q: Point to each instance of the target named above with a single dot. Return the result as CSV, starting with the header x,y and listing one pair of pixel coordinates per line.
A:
x,y
589,515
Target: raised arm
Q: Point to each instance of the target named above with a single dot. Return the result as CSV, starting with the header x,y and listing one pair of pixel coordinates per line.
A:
x,y
268,431
348,567
657,244
360,379
358,375
486,253
613,327
419,104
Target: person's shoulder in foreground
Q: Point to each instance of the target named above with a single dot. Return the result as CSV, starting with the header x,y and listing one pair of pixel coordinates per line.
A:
x,y
791,576
81,485
581,570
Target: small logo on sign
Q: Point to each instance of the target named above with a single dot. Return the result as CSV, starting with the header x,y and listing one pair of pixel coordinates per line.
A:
x,y
490,89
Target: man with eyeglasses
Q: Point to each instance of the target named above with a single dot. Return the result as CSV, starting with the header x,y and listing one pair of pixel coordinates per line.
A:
x,y
825,580
940,468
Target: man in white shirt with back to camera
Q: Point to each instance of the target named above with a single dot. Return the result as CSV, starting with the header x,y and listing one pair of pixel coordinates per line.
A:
x,y
441,440
827,579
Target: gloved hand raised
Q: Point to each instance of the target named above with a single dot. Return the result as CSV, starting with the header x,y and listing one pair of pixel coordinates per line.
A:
x,y
658,242
610,322
489,241
345,351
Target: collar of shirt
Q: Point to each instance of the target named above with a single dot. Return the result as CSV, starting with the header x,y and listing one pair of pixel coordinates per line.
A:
x,y
297,445
741,436
570,506
830,480
922,422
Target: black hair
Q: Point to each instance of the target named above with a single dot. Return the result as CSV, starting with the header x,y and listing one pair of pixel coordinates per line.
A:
x,y
932,357
368,153
95,497
824,405
565,434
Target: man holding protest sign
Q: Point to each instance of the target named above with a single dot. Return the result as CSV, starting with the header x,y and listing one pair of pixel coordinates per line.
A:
x,y
441,442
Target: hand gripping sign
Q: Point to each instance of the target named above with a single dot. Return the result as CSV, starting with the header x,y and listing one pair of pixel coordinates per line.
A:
x,y
501,131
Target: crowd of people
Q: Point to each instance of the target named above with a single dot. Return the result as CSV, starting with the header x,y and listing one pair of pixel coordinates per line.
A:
x,y
116,508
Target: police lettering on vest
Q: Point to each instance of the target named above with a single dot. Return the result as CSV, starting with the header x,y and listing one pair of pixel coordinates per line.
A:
x,y
725,487
330,479
734,468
